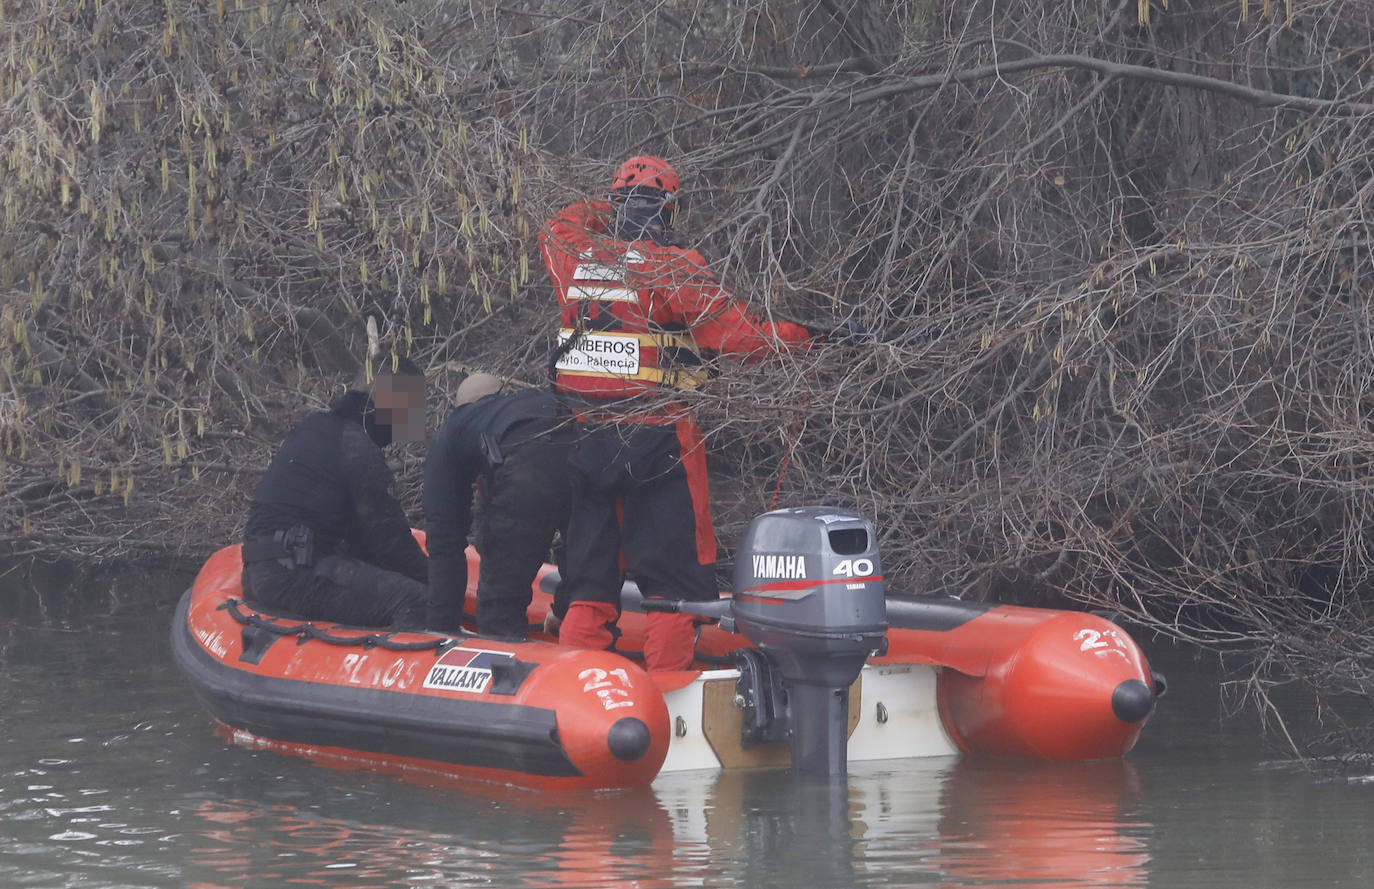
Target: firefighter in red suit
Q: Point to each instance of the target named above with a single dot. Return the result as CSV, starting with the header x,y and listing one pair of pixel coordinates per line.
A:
x,y
637,315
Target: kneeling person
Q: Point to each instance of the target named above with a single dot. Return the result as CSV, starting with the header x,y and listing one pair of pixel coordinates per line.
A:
x,y
325,539
514,450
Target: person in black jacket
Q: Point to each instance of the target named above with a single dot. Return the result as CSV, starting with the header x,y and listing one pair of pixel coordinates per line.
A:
x,y
325,538
514,449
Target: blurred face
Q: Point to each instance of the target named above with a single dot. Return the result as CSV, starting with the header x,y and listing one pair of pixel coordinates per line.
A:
x,y
399,400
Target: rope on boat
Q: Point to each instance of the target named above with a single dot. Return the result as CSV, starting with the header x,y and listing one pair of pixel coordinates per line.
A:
x,y
304,631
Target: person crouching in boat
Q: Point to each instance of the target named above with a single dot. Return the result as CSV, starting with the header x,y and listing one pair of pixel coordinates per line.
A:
x,y
514,449
637,313
325,539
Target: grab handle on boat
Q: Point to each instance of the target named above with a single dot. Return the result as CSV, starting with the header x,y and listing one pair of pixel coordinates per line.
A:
x,y
714,610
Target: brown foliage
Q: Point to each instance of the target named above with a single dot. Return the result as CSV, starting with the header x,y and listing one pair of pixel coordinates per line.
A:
x,y
1118,271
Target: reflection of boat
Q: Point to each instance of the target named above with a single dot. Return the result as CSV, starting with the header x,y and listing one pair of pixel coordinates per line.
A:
x,y
454,836
938,821
1042,825
808,663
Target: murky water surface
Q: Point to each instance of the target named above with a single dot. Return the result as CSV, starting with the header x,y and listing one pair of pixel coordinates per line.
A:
x,y
111,777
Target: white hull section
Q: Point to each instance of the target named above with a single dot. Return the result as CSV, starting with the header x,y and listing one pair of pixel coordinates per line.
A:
x,y
892,715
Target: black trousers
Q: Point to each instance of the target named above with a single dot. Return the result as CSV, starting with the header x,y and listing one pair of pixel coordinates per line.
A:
x,y
525,502
340,589
641,488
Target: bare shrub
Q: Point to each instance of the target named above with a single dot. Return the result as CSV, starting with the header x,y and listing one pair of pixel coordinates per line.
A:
x,y
1116,259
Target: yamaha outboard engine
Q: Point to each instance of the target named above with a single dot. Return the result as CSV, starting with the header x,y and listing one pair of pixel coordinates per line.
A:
x,y
809,594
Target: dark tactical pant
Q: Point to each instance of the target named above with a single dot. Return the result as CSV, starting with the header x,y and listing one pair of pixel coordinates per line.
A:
x,y
339,589
640,489
524,502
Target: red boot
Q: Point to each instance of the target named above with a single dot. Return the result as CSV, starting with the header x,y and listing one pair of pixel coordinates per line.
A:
x,y
669,641
588,625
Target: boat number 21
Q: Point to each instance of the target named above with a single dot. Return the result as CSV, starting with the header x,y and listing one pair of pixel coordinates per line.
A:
x,y
1099,642
611,686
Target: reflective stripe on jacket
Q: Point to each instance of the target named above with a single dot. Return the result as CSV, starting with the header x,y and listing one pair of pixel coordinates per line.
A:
x,y
636,316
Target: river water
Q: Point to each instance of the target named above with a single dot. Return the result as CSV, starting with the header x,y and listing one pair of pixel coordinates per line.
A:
x,y
111,776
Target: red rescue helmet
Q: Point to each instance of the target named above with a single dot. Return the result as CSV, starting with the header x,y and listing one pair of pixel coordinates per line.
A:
x,y
649,171
645,194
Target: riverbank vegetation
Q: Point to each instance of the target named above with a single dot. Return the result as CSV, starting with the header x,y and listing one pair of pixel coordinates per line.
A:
x,y
1115,258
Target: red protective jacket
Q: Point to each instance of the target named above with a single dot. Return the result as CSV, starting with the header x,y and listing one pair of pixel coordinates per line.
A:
x,y
640,313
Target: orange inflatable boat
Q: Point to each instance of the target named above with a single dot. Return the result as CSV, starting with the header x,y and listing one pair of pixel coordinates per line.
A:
x,y
808,665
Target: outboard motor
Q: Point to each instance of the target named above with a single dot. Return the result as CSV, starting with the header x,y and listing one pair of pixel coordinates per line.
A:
x,y
809,593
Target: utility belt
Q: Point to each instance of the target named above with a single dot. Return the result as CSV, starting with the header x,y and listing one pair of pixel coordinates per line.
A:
x,y
620,411
495,449
293,547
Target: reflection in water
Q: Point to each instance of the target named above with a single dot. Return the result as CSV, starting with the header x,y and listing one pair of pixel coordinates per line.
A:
x,y
243,844
240,842
963,823
499,837
613,839
944,823
1043,825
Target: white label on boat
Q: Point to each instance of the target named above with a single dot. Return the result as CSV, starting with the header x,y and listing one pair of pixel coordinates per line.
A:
x,y
463,669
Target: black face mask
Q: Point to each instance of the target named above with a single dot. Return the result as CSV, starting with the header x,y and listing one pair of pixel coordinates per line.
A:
x,y
380,433
639,217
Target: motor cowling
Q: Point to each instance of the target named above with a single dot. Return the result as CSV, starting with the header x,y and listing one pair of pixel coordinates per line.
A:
x,y
809,593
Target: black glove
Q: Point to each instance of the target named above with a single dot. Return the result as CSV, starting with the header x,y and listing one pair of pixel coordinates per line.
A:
x,y
831,331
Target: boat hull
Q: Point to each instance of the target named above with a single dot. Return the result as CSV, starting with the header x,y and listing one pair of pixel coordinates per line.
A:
x,y
956,678
533,714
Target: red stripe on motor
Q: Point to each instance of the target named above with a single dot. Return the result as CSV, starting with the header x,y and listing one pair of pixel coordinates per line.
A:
x,y
805,584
